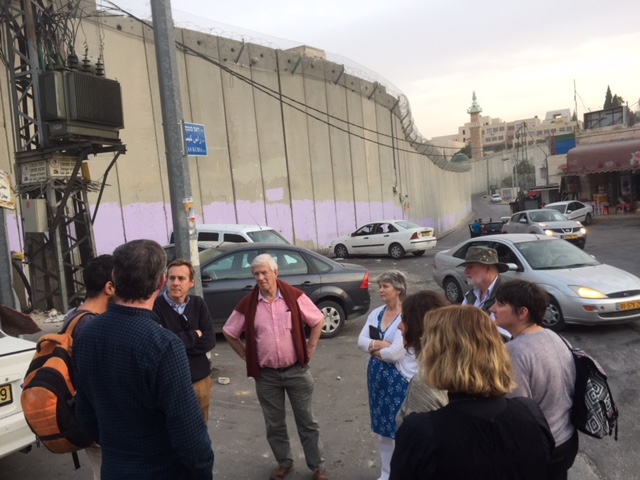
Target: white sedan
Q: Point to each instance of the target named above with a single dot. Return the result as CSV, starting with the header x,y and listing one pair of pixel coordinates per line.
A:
x,y
386,237
15,356
574,210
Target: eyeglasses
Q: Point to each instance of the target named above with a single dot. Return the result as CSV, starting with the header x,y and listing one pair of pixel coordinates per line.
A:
x,y
185,322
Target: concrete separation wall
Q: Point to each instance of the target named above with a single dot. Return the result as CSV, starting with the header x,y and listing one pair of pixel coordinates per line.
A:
x,y
293,142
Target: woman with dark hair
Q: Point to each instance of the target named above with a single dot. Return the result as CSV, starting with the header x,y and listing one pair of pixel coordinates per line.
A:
x,y
420,397
388,373
480,433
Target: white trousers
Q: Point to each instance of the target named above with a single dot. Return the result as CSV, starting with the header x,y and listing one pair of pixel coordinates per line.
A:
x,y
386,451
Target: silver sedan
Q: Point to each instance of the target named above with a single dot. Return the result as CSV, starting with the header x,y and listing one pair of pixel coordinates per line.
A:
x,y
581,289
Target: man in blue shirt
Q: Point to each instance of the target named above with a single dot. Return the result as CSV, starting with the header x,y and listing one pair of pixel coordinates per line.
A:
x,y
134,389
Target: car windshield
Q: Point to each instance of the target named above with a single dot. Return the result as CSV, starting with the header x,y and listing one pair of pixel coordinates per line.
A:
x,y
554,255
267,236
559,208
407,225
208,254
547,216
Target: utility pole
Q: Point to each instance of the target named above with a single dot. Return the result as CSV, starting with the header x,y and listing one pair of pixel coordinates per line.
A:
x,y
184,233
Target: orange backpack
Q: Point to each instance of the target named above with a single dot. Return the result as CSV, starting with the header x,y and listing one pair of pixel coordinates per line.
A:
x,y
48,394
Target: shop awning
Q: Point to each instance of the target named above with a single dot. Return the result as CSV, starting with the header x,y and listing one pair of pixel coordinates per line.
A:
x,y
604,157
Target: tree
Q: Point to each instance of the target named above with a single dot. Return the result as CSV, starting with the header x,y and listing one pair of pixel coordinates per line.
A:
x,y
607,98
612,101
617,101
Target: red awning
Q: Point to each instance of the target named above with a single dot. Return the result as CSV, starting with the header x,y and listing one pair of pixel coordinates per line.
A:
x,y
604,157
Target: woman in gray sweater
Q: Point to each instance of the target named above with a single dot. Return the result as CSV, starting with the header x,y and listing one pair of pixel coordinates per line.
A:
x,y
543,367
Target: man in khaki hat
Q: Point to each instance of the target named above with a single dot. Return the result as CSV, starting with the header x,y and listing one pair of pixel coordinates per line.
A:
x,y
482,269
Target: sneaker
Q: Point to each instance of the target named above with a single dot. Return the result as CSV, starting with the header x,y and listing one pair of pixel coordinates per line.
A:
x,y
280,472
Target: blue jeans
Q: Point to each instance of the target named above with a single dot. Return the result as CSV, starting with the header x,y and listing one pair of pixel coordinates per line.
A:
x,y
298,384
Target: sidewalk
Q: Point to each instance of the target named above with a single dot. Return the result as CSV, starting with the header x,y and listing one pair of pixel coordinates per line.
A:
x,y
583,469
618,217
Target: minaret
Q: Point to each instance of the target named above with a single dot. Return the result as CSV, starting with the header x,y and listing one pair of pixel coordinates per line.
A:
x,y
475,128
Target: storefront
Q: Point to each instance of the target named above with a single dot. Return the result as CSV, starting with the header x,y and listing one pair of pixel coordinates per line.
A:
x,y
606,173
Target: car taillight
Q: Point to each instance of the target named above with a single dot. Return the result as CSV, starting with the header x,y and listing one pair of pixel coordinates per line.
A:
x,y
414,236
365,281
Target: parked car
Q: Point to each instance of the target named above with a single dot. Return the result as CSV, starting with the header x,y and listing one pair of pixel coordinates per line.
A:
x,y
547,222
213,232
15,357
581,289
574,210
496,198
386,237
340,290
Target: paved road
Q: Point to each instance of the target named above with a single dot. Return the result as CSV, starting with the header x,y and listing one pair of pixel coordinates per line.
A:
x,y
236,424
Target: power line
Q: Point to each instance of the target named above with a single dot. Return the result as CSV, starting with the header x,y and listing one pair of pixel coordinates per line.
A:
x,y
290,102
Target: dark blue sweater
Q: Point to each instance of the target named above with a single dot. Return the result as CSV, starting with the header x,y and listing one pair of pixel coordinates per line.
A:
x,y
134,394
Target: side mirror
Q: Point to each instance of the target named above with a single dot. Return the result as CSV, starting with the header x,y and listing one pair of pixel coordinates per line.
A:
x,y
569,211
206,278
523,220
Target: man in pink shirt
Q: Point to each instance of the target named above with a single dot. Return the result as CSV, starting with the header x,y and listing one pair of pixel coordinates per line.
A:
x,y
277,355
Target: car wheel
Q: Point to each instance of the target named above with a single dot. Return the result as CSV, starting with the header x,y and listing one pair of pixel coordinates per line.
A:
x,y
419,253
587,219
553,319
452,290
341,251
396,251
333,318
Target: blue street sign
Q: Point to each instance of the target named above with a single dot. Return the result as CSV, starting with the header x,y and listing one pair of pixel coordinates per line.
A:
x,y
195,140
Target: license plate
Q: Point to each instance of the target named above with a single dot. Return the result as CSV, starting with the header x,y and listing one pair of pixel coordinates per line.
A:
x,y
425,234
5,394
628,305
570,237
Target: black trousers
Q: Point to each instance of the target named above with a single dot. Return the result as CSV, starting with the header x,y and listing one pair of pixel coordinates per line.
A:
x,y
562,458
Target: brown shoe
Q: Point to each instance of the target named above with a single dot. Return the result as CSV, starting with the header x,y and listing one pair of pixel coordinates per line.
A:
x,y
280,472
320,475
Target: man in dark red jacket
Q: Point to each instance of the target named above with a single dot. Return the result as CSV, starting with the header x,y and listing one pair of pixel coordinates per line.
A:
x,y
272,317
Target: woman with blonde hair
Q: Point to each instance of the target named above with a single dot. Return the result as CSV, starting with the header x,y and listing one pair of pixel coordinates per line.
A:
x,y
480,433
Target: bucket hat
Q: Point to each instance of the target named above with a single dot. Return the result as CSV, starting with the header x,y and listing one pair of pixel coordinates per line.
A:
x,y
484,255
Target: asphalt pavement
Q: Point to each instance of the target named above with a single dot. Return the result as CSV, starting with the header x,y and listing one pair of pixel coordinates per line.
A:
x,y
236,425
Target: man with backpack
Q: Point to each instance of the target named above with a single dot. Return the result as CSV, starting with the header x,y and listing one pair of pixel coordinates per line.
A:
x,y
134,389
99,292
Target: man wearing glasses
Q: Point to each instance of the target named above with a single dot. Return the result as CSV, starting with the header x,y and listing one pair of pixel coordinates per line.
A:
x,y
188,317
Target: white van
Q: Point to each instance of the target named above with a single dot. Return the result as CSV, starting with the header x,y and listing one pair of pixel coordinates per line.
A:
x,y
211,232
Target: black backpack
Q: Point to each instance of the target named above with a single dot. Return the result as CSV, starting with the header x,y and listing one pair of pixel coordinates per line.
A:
x,y
594,412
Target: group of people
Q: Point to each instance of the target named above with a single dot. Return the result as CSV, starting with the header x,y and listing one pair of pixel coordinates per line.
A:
x,y
143,379
478,390
449,396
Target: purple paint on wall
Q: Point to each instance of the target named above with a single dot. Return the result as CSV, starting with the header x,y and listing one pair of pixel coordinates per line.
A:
x,y
345,219
14,235
251,213
304,221
219,212
326,222
363,213
279,218
108,229
275,194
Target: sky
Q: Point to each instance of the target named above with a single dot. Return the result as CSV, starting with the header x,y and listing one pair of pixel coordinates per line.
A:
x,y
521,58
